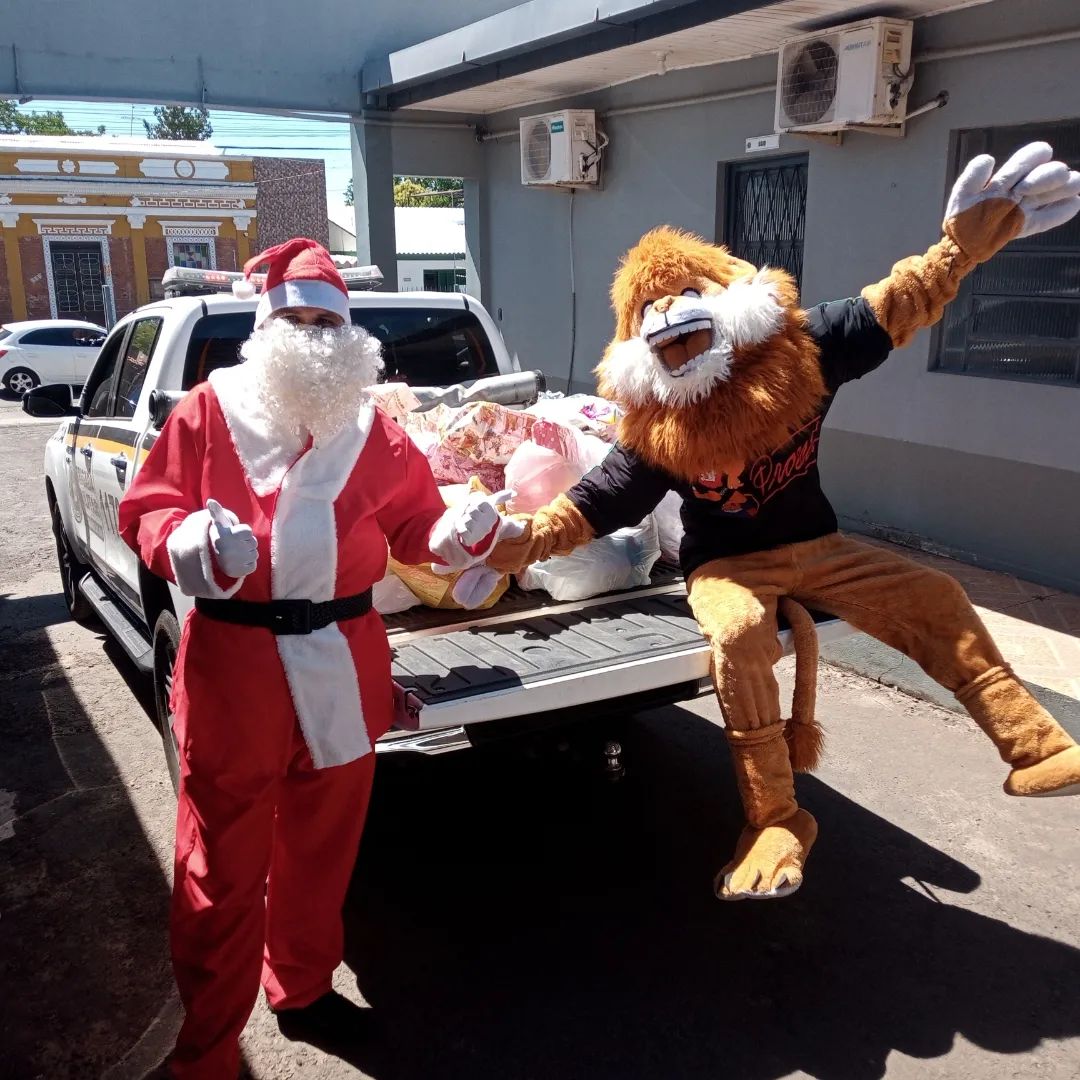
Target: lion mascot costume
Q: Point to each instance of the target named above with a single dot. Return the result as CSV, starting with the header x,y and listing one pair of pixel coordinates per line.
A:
x,y
724,383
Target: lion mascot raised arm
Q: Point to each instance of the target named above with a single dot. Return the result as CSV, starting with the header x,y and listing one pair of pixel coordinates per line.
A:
x,y
724,383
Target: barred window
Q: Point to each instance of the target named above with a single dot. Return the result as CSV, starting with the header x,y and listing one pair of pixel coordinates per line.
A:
x,y
1018,315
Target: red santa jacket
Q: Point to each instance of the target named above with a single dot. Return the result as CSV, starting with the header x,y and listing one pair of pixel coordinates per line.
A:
x,y
322,516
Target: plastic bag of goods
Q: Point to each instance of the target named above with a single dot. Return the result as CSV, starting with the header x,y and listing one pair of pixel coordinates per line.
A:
x,y
585,412
437,590
669,525
391,595
549,464
623,560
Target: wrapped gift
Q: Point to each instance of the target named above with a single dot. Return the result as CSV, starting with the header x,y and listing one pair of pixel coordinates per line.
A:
x,y
476,440
395,399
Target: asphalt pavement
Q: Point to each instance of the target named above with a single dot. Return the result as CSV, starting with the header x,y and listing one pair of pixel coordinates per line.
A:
x,y
515,914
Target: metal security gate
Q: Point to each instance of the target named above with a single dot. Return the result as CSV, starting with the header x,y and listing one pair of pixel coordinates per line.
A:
x,y
78,276
765,212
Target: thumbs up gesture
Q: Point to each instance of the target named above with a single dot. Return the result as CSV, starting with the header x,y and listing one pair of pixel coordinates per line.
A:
x,y
477,517
234,545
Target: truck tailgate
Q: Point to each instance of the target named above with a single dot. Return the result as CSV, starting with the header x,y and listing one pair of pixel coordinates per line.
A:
x,y
501,664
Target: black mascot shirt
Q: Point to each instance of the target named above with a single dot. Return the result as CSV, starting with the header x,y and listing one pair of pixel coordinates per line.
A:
x,y
777,499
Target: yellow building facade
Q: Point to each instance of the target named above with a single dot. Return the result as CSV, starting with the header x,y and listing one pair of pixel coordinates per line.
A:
x,y
90,224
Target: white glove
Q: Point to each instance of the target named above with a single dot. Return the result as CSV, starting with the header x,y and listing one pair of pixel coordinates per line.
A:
x,y
1047,191
477,517
475,585
234,545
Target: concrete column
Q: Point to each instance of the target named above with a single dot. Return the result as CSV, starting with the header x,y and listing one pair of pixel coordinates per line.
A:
x,y
13,266
373,195
475,238
137,223
243,247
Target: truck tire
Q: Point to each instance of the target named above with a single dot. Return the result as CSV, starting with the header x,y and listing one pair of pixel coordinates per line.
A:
x,y
72,571
166,646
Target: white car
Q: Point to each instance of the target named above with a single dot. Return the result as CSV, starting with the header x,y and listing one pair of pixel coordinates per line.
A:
x,y
48,351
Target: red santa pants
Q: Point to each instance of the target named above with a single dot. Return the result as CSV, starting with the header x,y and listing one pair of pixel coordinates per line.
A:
x,y
265,847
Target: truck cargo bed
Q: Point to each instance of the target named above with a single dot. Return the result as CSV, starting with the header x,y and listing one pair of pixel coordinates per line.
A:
x,y
530,654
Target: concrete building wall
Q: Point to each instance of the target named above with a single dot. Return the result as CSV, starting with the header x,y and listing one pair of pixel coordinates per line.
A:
x,y
988,468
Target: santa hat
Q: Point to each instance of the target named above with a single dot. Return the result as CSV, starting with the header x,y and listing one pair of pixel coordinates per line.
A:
x,y
300,273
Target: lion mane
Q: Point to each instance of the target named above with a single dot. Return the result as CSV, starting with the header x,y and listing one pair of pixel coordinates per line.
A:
x,y
772,389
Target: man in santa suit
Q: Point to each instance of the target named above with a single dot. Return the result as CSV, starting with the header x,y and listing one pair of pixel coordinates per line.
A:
x,y
271,496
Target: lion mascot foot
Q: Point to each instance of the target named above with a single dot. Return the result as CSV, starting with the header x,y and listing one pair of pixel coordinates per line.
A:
x,y
768,862
1044,758
1058,774
773,847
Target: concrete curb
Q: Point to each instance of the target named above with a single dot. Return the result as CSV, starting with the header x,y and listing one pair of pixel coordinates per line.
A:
x,y
865,656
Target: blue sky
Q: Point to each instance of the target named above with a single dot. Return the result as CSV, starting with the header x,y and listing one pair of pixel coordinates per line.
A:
x,y
254,133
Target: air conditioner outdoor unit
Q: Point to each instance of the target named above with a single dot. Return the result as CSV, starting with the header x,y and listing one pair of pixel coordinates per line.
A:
x,y
849,76
560,148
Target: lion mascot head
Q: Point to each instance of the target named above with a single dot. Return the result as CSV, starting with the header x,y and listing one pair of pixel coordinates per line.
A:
x,y
710,363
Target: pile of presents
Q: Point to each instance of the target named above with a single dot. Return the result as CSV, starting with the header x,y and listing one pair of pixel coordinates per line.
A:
x,y
539,453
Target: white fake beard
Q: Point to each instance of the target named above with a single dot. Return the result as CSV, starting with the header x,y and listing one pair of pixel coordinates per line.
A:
x,y
746,313
312,381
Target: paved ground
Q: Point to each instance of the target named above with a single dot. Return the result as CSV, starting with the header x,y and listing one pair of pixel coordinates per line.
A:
x,y
514,915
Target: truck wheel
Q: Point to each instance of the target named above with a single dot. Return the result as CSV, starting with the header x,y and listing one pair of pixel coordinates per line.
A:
x,y
71,572
19,380
166,646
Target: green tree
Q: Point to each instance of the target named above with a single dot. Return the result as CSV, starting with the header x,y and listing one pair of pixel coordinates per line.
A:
x,y
420,191
13,122
179,122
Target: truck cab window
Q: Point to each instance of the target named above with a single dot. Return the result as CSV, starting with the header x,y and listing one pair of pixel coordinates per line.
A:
x,y
140,348
99,387
421,346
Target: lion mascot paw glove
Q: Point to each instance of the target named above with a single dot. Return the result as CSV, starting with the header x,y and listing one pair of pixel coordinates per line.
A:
x,y
724,383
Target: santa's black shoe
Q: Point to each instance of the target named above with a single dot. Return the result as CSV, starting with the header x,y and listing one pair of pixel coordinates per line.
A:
x,y
330,1017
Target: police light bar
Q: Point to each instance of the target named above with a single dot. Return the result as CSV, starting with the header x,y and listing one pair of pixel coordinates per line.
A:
x,y
188,281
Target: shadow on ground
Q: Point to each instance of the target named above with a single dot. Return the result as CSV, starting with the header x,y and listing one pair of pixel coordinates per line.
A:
x,y
546,924
84,966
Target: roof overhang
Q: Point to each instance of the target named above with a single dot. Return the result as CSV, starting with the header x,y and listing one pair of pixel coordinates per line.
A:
x,y
550,49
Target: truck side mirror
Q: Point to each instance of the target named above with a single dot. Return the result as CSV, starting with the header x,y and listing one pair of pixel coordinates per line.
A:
x,y
49,401
162,403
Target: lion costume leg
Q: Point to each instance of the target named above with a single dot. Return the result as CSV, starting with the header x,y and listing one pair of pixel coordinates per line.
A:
x,y
928,617
734,602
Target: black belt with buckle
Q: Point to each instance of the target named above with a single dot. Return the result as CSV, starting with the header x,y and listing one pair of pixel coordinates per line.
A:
x,y
285,616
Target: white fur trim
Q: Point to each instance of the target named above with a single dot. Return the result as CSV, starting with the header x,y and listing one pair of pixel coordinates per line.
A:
x,y
191,560
747,313
264,450
303,565
302,293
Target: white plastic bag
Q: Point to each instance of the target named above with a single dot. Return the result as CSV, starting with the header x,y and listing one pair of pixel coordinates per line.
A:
x,y
392,595
623,560
669,525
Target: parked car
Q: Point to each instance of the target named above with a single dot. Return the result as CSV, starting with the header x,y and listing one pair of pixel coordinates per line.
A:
x,y
48,351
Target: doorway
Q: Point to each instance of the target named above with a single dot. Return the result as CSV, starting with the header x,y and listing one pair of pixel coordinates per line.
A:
x,y
78,278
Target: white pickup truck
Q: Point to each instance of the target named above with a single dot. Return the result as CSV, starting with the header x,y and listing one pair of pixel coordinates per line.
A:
x,y
465,676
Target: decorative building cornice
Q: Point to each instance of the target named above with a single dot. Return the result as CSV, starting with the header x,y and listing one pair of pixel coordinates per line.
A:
x,y
64,227
196,189
75,212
